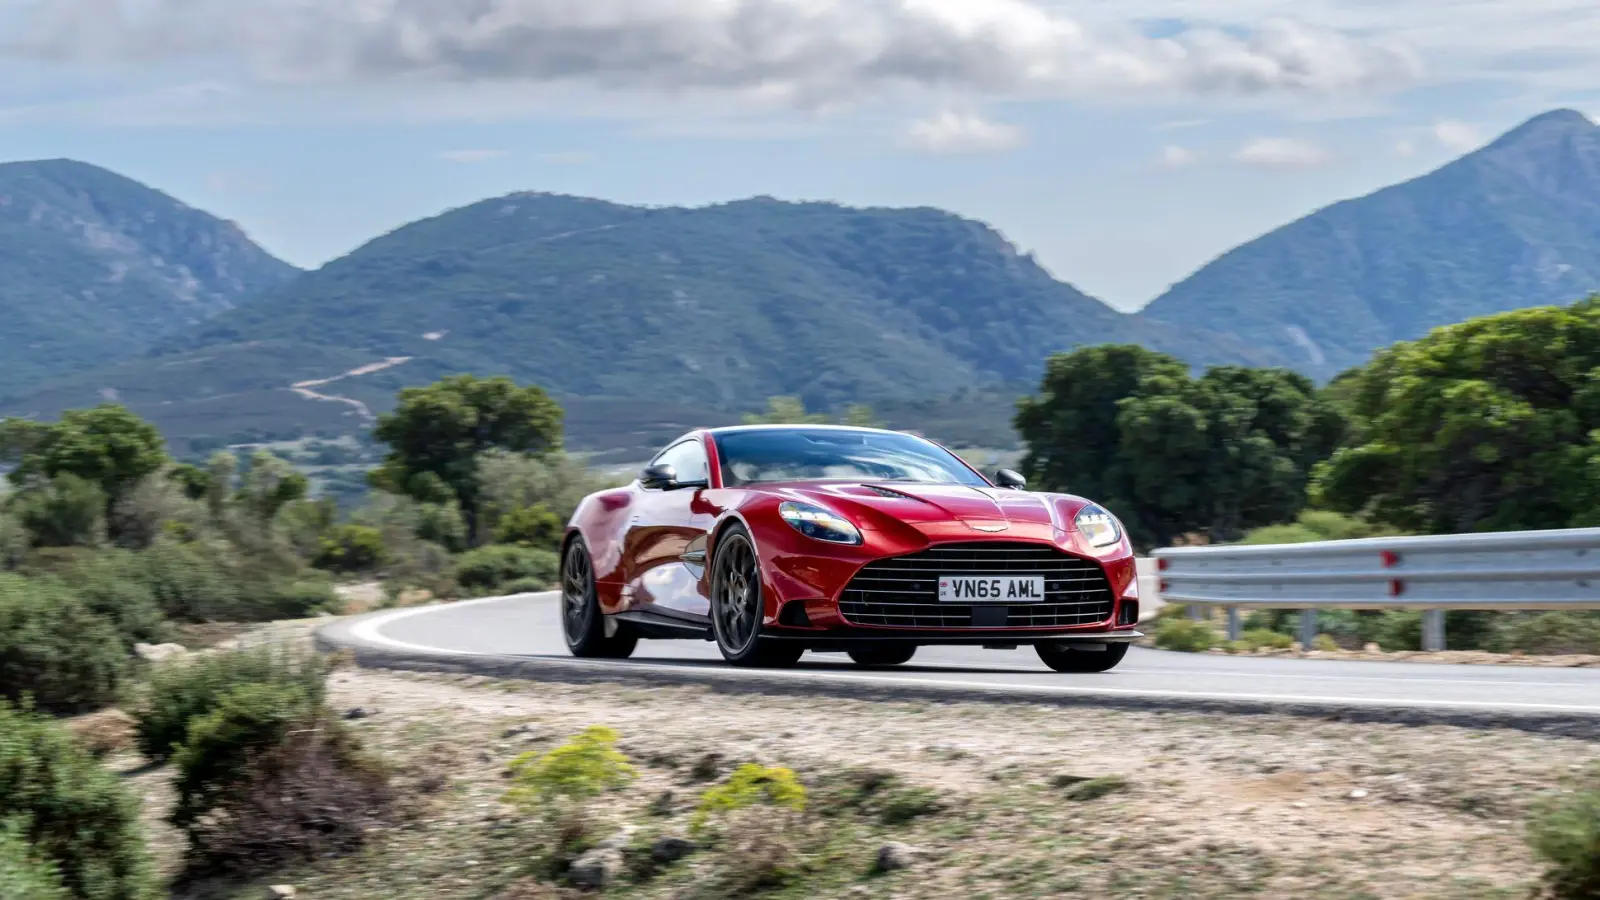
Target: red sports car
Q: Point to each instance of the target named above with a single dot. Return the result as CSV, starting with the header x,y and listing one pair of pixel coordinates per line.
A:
x,y
776,539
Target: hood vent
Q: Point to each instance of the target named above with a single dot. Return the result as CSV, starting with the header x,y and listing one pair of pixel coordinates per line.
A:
x,y
885,492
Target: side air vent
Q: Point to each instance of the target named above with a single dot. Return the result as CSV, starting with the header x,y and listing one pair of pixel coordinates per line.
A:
x,y
885,492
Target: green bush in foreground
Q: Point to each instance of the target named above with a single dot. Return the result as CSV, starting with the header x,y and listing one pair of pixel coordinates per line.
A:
x,y
53,649
488,569
749,786
188,689
584,767
1262,639
1185,635
22,875
110,583
1566,833
73,812
351,548
247,721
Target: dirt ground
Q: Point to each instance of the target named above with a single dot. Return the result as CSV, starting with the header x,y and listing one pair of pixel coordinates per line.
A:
x,y
1197,806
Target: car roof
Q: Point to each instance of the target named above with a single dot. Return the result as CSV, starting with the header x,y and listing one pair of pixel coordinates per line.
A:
x,y
733,429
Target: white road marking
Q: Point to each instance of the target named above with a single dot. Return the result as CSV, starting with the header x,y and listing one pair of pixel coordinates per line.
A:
x,y
369,631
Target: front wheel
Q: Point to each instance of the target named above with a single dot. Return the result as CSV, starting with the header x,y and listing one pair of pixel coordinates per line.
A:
x,y
737,607
1064,657
582,623
886,655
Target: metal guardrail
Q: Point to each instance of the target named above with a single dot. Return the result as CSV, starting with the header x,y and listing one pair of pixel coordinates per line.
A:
x,y
1522,570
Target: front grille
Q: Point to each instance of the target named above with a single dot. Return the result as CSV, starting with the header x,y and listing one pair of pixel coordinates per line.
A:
x,y
903,592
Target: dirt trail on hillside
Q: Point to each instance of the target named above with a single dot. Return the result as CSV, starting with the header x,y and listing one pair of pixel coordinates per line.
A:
x,y
304,388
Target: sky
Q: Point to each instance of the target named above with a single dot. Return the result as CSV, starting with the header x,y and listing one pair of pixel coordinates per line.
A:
x,y
1125,143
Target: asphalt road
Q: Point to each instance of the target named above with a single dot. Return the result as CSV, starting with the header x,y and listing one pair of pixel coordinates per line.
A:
x,y
521,636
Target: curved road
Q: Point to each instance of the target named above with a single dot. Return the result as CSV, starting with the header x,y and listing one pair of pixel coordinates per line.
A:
x,y
520,636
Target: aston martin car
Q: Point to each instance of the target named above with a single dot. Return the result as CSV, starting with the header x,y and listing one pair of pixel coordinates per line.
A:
x,y
774,540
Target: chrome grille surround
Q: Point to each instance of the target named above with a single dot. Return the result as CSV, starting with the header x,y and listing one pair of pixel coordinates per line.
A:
x,y
903,591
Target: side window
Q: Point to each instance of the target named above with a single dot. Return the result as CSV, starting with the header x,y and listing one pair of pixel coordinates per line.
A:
x,y
689,459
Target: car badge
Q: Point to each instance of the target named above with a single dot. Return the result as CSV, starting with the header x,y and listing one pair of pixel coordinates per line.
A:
x,y
990,528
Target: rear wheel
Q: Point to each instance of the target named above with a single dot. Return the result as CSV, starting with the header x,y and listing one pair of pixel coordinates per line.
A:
x,y
582,623
737,606
884,655
1064,657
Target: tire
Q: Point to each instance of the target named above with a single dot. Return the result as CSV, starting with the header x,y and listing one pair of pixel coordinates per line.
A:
x,y
1062,657
582,623
737,606
884,655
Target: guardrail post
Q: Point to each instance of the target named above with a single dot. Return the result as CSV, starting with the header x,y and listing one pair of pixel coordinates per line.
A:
x,y
1433,630
1196,614
1308,627
1234,627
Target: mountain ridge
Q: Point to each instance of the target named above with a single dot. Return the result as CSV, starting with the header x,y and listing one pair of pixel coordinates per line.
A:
x,y
95,266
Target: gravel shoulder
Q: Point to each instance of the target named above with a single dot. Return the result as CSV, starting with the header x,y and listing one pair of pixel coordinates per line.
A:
x,y
1197,806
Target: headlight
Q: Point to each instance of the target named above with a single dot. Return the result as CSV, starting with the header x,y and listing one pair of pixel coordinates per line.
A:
x,y
1098,527
821,524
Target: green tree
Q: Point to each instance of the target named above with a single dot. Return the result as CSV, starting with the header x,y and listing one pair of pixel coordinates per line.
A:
x,y
1490,425
107,446
792,411
1171,454
438,434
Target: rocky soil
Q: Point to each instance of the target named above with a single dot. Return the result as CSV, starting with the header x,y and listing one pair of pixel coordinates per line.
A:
x,y
978,801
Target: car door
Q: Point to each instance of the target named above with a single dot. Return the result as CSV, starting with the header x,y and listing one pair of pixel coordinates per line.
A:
x,y
667,524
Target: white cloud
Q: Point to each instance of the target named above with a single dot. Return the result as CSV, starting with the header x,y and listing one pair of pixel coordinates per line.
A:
x,y
1284,153
797,52
467,157
1405,147
1458,136
954,132
566,159
1175,157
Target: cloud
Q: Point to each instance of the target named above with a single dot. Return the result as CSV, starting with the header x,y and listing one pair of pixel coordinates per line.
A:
x,y
574,158
952,132
1283,153
1405,147
1458,136
795,52
467,157
1175,157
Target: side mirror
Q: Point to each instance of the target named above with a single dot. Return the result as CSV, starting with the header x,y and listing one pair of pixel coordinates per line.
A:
x,y
665,478
1009,479
661,477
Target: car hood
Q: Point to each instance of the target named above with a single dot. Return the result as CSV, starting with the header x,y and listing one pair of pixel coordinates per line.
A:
x,y
980,507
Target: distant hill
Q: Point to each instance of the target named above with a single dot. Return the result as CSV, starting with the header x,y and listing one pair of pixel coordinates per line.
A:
x,y
94,267
634,310
1515,224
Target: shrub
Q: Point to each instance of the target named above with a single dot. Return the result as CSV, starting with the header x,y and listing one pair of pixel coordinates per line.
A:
x,y
1262,639
1546,633
1566,833
290,598
14,541
584,767
22,875
66,511
74,813
488,569
351,548
750,785
312,793
1185,636
54,649
111,584
1325,643
247,720
189,585
188,689
530,526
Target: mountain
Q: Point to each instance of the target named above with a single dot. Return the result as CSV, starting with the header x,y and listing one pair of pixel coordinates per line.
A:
x,y
634,311
1513,225
95,266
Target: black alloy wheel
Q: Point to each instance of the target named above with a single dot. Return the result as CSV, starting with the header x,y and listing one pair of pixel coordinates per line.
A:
x,y
737,606
582,623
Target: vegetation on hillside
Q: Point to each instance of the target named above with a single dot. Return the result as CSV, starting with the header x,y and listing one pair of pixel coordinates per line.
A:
x,y
95,267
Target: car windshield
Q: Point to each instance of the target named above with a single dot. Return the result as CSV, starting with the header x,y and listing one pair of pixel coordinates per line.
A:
x,y
803,454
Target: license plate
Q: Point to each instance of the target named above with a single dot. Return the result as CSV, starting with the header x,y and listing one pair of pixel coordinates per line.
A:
x,y
991,589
